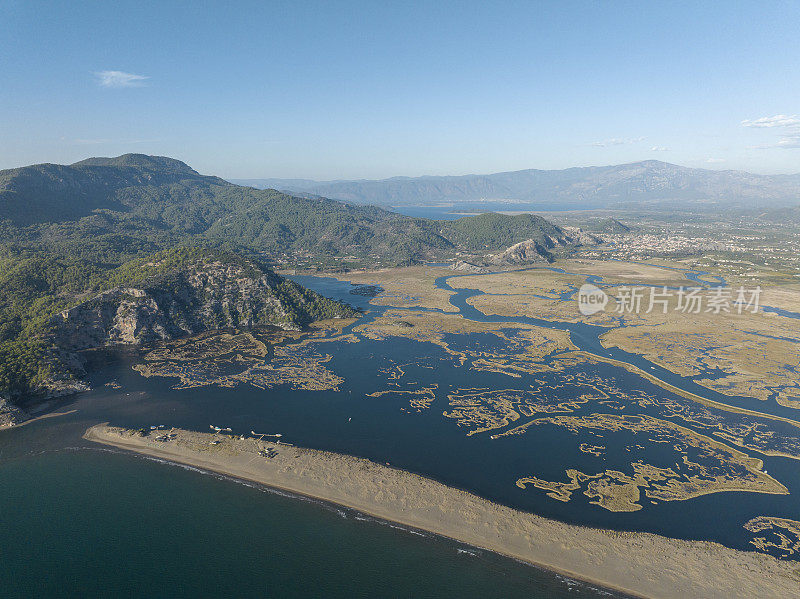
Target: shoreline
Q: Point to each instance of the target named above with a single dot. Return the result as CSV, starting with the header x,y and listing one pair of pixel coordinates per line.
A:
x,y
638,564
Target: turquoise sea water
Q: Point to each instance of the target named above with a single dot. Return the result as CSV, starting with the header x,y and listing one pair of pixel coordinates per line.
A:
x,y
93,523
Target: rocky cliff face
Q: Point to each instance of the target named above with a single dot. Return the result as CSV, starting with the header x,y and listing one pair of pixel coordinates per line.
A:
x,y
578,236
207,296
122,315
462,266
202,295
10,414
539,250
522,252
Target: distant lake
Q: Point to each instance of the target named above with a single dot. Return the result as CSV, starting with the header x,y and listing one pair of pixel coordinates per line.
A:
x,y
460,211
432,212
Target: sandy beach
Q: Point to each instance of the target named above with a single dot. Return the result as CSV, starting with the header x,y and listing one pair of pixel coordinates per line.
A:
x,y
636,563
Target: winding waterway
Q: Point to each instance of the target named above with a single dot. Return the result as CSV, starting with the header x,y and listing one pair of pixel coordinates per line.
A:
x,y
40,460
586,337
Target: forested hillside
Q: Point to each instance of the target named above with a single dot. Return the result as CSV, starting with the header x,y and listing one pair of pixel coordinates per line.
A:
x,y
113,209
69,233
51,306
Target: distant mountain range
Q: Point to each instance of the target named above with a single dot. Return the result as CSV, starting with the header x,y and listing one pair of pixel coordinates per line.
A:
x,y
650,183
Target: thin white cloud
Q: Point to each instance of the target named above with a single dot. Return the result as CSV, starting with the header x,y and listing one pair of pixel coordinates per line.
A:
x,y
770,122
715,160
788,125
785,143
659,149
120,79
616,141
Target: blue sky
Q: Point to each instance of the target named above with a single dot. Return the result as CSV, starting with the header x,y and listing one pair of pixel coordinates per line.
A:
x,y
376,89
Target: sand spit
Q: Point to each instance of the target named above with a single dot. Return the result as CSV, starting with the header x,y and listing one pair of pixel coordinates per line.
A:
x,y
637,563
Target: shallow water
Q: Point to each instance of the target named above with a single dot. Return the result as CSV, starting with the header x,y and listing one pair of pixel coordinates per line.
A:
x,y
384,429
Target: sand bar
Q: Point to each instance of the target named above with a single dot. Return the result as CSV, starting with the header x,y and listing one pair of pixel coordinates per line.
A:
x,y
637,563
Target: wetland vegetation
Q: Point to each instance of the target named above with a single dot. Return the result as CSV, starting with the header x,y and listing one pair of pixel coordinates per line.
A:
x,y
477,373
628,438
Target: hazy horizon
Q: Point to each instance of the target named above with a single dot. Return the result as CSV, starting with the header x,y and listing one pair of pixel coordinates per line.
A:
x,y
353,90
416,176
483,173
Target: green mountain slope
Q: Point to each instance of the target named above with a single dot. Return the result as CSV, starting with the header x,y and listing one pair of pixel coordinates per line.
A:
x,y
136,248
113,209
53,192
493,231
